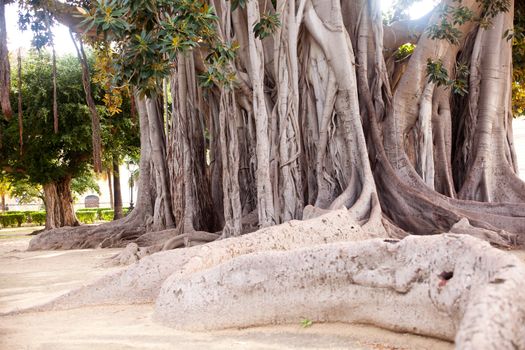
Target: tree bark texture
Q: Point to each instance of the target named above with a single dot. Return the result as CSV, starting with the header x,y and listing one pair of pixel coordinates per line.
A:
x,y
117,196
110,186
58,201
320,115
5,78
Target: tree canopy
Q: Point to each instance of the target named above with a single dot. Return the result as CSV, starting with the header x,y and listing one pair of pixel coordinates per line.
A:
x,y
47,156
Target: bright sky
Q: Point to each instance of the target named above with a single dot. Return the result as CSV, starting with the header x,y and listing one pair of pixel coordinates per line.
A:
x,y
417,10
16,38
63,43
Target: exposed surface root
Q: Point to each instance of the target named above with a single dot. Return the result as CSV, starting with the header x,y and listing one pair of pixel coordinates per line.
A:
x,y
463,226
141,282
154,242
447,286
81,237
120,233
328,269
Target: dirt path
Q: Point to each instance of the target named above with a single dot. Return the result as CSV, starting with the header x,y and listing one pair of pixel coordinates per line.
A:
x,y
29,278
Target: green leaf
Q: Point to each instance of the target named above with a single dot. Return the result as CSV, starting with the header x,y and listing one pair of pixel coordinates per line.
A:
x,y
305,323
236,3
267,25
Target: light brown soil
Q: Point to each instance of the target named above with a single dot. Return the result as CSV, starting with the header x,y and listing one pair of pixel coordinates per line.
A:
x,y
29,278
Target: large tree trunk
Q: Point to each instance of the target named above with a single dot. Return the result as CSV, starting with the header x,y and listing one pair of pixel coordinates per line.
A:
x,y
117,196
5,71
58,201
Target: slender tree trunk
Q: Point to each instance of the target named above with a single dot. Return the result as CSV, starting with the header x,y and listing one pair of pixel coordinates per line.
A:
x,y
5,70
110,185
265,202
95,119
58,201
55,98
228,116
116,187
53,72
2,202
20,121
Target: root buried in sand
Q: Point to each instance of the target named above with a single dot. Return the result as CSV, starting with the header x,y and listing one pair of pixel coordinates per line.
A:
x,y
279,274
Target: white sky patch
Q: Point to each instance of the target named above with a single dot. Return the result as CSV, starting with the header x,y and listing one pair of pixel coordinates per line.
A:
x,y
18,39
417,10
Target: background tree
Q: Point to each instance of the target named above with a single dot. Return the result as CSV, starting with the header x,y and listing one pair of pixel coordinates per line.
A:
x,y
5,102
120,136
23,191
4,190
49,159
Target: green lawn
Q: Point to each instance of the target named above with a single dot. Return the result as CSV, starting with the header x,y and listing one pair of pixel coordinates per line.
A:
x,y
18,232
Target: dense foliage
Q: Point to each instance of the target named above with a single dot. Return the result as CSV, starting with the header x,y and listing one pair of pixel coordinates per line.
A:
x,y
518,57
151,34
47,156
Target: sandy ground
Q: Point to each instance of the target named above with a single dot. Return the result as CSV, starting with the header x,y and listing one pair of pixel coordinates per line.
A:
x,y
29,278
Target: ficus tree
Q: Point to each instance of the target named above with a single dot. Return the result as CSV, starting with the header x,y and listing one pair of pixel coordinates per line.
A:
x,y
267,116
282,110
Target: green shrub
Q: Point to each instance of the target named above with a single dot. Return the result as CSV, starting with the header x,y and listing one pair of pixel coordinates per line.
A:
x,y
107,215
12,219
87,210
27,214
86,217
97,211
38,217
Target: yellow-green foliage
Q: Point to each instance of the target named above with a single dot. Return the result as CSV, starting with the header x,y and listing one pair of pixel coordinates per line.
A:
x,y
517,35
404,51
86,217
